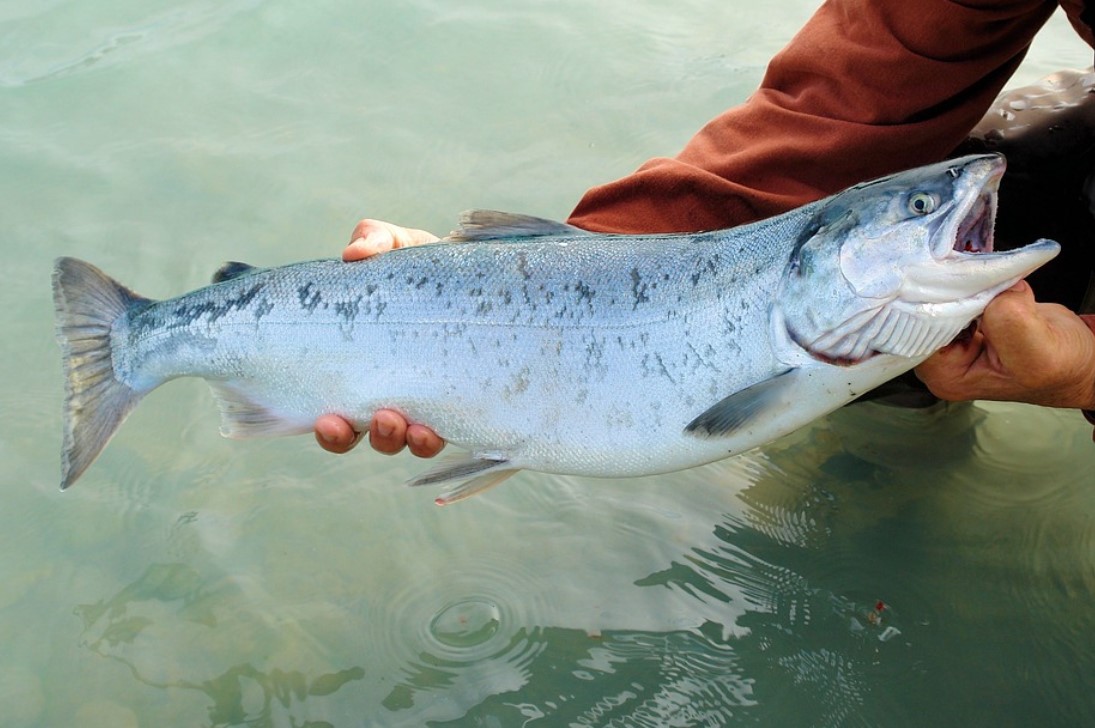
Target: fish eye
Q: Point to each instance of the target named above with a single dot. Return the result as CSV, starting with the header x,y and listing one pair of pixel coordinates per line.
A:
x,y
922,203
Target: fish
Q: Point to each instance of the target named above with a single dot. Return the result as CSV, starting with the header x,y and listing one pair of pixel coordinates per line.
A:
x,y
535,345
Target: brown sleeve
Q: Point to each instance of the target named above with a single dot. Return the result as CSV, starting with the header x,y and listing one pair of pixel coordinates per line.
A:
x,y
866,88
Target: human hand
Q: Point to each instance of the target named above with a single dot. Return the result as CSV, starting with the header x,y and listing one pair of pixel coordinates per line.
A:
x,y
1022,351
389,431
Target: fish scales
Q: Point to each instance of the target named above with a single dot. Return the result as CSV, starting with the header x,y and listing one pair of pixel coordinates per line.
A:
x,y
534,345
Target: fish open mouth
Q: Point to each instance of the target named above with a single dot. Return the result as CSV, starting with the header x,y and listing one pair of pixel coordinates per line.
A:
x,y
975,231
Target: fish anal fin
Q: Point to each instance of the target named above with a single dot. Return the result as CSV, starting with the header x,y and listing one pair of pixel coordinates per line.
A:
x,y
465,476
739,409
242,417
493,225
475,486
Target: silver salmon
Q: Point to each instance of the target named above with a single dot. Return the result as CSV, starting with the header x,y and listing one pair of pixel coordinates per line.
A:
x,y
535,345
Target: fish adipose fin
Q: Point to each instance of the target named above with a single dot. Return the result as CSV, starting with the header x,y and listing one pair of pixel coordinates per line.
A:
x,y
243,417
233,269
88,303
464,476
739,409
490,225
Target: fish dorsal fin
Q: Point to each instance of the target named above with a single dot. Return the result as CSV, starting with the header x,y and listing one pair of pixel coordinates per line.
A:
x,y
736,411
492,225
232,269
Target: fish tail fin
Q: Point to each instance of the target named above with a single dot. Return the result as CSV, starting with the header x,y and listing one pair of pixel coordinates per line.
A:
x,y
88,303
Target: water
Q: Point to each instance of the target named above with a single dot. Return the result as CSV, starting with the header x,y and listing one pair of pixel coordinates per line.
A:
x,y
879,568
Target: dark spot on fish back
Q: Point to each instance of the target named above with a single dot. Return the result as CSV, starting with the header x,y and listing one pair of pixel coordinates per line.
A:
x,y
522,266
348,310
264,307
214,310
310,297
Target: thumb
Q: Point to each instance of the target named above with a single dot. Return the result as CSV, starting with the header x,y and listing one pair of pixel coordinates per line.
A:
x,y
1018,335
371,237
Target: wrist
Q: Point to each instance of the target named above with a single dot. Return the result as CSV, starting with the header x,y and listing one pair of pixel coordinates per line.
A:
x,y
1089,410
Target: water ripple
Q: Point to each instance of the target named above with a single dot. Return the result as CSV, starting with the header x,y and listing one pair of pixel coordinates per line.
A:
x,y
464,634
77,45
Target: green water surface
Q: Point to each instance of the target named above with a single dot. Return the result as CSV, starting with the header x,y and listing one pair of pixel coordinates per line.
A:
x,y
881,567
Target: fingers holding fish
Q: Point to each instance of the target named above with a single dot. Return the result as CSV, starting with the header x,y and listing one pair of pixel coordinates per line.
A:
x,y
334,434
1023,351
389,433
371,237
423,442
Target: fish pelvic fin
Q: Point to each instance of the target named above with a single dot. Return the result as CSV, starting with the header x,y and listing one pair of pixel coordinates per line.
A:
x,y
465,476
88,303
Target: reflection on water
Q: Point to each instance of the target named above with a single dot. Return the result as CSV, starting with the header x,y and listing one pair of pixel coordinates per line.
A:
x,y
130,628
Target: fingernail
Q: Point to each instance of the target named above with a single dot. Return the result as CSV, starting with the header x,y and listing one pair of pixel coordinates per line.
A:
x,y
384,429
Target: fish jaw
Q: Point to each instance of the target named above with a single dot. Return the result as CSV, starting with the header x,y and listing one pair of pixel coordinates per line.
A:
x,y
968,281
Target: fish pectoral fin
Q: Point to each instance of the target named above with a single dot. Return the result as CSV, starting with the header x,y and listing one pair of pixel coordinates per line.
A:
x,y
492,225
242,417
739,409
464,476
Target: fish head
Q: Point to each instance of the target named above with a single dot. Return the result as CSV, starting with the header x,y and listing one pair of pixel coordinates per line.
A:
x,y
903,264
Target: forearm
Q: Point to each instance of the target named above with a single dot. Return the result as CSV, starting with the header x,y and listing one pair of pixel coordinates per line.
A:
x,y
864,89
